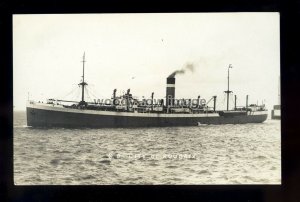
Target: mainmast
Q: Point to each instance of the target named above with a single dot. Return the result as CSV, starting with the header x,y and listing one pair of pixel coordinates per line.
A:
x,y
228,91
83,83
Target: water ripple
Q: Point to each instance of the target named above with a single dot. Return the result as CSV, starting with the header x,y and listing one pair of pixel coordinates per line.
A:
x,y
226,154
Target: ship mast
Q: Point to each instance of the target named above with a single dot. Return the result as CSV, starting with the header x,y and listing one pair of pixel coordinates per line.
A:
x,y
82,102
228,91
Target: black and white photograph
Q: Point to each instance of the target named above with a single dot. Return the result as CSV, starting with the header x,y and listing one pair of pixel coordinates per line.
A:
x,y
147,99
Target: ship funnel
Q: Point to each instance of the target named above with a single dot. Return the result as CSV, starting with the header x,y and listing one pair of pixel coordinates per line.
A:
x,y
152,95
114,93
170,91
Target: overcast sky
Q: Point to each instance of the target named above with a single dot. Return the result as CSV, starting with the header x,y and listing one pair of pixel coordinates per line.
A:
x,y
138,51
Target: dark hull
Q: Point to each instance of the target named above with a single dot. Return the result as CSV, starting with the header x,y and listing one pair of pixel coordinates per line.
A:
x,y
52,118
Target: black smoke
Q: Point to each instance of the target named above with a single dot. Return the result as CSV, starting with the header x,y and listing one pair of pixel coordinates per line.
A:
x,y
188,66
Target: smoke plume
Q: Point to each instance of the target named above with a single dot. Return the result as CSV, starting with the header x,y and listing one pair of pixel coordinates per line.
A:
x,y
188,66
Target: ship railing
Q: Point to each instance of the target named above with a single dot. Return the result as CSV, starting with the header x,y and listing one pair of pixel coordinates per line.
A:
x,y
208,109
240,108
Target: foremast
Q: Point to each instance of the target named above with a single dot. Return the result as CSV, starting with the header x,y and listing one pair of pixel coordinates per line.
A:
x,y
83,83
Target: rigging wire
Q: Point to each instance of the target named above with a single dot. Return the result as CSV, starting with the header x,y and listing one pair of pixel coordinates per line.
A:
x,y
72,91
231,98
73,95
92,93
88,94
77,96
223,102
64,94
220,102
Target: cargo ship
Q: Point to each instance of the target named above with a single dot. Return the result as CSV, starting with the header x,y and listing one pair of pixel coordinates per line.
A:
x,y
128,111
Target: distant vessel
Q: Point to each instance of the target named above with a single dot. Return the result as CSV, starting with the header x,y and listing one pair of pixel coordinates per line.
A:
x,y
126,111
276,111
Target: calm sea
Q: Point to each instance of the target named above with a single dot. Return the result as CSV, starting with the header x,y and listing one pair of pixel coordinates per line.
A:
x,y
211,154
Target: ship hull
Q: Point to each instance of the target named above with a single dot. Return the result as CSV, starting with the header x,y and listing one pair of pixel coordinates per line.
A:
x,y
45,116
